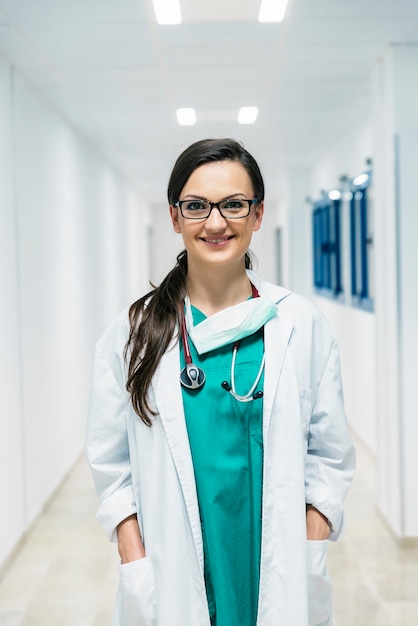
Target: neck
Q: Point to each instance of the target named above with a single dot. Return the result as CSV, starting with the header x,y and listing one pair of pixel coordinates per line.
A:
x,y
217,288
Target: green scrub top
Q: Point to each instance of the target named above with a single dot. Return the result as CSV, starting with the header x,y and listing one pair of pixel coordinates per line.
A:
x,y
226,444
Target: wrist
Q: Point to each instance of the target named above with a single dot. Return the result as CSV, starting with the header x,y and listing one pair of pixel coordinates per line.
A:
x,y
130,553
130,544
318,527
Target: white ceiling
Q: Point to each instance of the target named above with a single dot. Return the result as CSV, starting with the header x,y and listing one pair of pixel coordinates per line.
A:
x,y
119,77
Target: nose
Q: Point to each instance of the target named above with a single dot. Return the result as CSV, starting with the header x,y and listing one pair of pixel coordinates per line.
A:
x,y
215,221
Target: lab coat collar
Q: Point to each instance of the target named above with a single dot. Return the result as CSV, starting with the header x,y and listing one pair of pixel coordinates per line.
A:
x,y
274,292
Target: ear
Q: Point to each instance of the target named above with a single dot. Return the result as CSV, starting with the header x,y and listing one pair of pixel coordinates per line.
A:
x,y
258,216
174,214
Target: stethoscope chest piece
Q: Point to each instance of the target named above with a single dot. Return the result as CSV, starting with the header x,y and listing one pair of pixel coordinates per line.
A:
x,y
192,377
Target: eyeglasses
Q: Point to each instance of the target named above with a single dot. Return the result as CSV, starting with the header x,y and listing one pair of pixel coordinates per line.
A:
x,y
232,209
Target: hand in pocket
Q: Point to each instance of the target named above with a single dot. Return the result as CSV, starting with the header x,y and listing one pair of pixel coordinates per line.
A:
x,y
137,594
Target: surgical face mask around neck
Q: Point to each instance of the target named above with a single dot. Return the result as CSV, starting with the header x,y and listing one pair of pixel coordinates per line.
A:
x,y
230,324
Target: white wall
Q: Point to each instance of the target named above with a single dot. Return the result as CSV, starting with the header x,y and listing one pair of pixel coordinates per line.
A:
x,y
395,129
347,157
354,328
263,243
356,335
74,253
300,232
407,131
165,244
11,458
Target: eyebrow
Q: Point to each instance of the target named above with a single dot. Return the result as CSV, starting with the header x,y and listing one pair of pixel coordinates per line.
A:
x,y
228,197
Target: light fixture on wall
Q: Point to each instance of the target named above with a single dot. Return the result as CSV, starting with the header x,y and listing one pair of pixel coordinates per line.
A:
x,y
272,10
186,116
334,194
345,187
247,115
361,179
167,11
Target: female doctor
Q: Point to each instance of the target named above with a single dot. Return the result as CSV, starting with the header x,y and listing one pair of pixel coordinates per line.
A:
x,y
216,432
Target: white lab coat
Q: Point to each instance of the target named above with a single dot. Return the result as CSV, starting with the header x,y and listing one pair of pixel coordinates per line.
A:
x,y
308,458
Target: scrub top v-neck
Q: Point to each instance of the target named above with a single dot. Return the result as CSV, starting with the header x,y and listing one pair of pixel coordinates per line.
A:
x,y
226,444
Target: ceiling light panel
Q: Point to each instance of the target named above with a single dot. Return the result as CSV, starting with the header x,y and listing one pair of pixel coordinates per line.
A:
x,y
247,115
167,11
186,116
272,10
219,10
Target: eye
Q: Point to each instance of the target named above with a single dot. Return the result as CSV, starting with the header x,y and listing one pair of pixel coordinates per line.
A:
x,y
195,205
233,204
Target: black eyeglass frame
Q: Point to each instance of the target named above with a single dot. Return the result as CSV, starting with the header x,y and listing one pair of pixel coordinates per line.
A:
x,y
216,205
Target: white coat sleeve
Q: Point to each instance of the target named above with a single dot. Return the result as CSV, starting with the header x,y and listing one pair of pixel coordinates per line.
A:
x,y
107,448
330,460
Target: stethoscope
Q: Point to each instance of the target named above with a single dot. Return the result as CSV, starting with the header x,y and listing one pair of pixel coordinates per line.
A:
x,y
193,377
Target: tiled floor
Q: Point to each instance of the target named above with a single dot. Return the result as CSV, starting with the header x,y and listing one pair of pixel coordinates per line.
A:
x,y
65,574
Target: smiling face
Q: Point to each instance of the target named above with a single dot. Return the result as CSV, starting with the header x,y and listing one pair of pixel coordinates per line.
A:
x,y
216,240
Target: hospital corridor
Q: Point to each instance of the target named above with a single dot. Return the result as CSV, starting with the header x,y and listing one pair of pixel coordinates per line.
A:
x,y
100,100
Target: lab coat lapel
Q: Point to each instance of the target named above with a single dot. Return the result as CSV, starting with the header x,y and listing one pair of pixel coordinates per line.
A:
x,y
169,401
277,334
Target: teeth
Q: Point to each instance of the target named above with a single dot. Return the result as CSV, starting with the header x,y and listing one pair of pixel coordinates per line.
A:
x,y
215,240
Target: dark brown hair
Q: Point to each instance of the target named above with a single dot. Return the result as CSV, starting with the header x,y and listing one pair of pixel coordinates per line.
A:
x,y
156,317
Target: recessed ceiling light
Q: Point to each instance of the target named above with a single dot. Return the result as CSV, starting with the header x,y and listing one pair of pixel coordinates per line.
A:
x,y
167,11
186,116
247,115
272,10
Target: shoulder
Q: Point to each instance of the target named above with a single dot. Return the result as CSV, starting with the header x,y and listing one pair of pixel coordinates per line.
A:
x,y
287,301
116,333
310,326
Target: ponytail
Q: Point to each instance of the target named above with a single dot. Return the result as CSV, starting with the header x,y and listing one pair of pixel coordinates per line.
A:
x,y
153,319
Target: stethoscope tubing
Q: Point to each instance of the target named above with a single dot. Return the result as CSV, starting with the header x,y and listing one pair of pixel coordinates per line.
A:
x,y
249,396
193,377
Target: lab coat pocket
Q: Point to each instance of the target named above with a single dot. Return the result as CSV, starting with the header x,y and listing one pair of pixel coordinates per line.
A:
x,y
137,594
319,584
